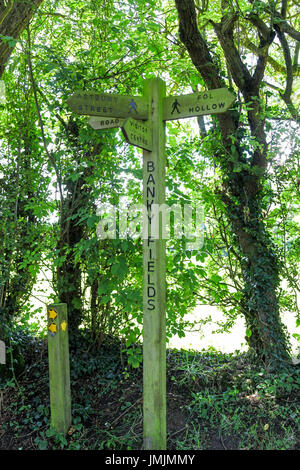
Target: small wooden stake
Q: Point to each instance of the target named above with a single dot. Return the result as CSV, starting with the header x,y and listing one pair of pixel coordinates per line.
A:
x,y
59,367
154,278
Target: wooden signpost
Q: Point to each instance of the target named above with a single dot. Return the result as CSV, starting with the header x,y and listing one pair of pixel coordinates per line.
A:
x,y
144,127
59,367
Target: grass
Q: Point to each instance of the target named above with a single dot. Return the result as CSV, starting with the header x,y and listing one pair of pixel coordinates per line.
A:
x,y
215,401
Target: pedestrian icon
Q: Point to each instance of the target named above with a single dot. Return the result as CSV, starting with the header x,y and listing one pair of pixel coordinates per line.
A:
x,y
175,107
133,106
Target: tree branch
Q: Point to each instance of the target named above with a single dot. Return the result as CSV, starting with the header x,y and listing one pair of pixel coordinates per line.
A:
x,y
253,48
286,96
199,53
5,10
288,65
34,89
261,27
190,36
238,70
285,27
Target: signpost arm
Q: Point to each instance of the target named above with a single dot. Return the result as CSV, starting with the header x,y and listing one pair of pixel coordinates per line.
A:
x,y
154,278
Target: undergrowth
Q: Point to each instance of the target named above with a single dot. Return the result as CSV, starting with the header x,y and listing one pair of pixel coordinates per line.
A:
x,y
214,400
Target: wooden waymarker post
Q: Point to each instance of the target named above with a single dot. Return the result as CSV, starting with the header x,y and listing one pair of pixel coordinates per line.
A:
x,y
2,353
59,367
154,108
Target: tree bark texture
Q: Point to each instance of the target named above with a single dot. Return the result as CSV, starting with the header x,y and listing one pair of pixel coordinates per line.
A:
x,y
242,191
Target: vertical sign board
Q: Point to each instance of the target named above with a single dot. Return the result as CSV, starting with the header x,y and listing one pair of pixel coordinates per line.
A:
x,y
59,367
131,112
154,277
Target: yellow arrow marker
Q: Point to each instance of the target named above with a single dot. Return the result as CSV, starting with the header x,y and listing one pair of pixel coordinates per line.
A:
x,y
63,326
53,328
52,314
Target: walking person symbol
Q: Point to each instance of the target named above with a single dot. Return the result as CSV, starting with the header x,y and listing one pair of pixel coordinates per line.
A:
x,y
175,106
133,106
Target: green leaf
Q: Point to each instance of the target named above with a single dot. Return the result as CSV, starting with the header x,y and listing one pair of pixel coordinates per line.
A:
x,y
43,445
215,278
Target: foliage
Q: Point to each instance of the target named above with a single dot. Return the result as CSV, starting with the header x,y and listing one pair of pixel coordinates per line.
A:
x,y
56,172
247,406
215,401
60,171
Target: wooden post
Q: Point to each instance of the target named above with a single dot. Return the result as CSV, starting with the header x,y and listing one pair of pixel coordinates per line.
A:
x,y
2,353
156,108
154,278
59,367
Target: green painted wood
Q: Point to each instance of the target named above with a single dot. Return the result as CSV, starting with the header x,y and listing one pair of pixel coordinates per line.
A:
x,y
138,133
154,279
102,122
59,367
108,105
197,104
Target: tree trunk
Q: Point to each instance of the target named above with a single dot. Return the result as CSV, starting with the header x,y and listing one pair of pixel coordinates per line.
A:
x,y
242,190
14,16
69,273
72,230
17,240
260,271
